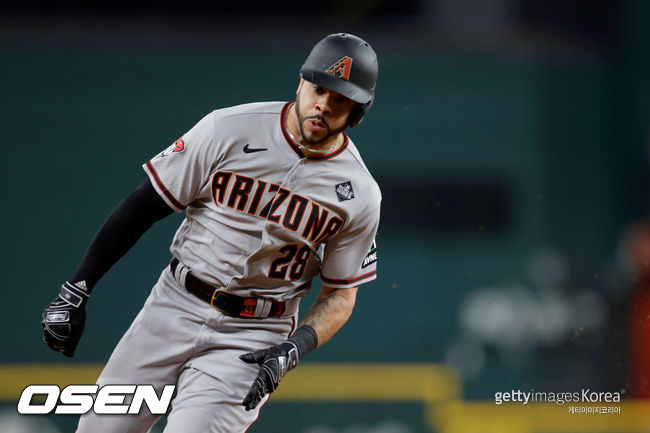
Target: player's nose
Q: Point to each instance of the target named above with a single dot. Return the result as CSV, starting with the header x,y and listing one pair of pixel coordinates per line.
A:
x,y
323,103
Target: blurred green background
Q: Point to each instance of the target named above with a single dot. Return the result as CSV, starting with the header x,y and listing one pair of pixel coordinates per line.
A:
x,y
534,153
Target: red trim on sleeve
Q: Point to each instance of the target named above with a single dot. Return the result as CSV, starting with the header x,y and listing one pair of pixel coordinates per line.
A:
x,y
350,281
162,186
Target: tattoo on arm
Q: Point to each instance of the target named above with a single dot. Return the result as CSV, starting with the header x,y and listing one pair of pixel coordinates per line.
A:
x,y
329,312
321,309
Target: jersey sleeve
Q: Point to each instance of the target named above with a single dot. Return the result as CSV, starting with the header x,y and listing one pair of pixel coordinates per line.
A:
x,y
179,172
350,257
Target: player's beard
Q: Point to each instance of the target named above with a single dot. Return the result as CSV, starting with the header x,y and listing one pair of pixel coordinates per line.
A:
x,y
301,124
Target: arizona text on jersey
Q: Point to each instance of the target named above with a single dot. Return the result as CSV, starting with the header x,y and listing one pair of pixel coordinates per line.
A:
x,y
276,218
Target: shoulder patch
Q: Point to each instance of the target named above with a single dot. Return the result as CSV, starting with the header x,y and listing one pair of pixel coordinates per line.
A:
x,y
344,191
371,257
177,146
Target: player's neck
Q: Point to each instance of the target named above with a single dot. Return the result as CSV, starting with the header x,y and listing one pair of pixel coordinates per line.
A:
x,y
328,146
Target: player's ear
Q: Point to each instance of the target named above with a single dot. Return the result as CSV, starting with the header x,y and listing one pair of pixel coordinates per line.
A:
x,y
302,80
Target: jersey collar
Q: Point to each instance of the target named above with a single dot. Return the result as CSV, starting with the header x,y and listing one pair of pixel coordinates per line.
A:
x,y
294,146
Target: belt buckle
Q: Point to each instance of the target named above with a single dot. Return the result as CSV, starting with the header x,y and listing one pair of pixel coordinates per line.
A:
x,y
214,296
248,307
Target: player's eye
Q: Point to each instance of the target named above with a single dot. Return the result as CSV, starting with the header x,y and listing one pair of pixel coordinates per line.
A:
x,y
319,90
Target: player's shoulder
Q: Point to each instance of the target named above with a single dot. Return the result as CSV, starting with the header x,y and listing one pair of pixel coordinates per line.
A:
x,y
249,109
362,173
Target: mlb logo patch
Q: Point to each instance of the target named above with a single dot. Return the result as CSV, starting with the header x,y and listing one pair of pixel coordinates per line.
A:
x,y
344,191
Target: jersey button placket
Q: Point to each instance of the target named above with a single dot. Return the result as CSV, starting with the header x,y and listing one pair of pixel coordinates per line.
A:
x,y
291,175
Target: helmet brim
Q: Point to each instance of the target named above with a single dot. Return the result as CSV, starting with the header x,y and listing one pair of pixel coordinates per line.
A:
x,y
338,85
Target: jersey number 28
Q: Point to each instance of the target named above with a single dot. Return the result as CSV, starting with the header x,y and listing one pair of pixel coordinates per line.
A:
x,y
294,261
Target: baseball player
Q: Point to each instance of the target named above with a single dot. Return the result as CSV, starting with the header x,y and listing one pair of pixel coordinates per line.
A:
x,y
274,194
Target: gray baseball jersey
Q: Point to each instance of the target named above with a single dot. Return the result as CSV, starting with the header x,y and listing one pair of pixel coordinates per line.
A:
x,y
262,219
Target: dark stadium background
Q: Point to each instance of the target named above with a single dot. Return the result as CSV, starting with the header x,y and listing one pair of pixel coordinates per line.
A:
x,y
510,139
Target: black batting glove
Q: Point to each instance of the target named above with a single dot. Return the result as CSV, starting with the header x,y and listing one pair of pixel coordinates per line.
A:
x,y
64,319
274,363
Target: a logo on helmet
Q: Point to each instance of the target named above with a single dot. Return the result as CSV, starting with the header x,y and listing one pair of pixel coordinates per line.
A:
x,y
341,68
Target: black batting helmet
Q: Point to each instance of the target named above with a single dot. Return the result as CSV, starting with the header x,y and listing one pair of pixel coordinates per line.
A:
x,y
347,65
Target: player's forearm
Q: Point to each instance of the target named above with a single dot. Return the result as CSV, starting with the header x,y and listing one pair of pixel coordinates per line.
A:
x,y
329,313
121,230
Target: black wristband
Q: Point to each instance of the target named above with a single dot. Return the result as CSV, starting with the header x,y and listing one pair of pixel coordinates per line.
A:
x,y
75,295
305,339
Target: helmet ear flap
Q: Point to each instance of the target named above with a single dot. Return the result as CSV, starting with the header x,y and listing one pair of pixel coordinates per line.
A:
x,y
357,113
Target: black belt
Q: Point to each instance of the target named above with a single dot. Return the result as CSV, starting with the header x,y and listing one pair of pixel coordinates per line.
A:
x,y
227,303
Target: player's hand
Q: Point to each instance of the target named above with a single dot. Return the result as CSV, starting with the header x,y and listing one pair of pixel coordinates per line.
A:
x,y
64,319
274,363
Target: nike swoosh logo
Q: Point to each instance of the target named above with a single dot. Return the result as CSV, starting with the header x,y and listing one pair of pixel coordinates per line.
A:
x,y
248,149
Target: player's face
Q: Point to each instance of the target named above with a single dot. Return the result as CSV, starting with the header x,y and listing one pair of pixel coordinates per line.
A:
x,y
322,113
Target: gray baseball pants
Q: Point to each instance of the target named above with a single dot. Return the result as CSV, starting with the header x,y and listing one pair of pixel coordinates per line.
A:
x,y
179,339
